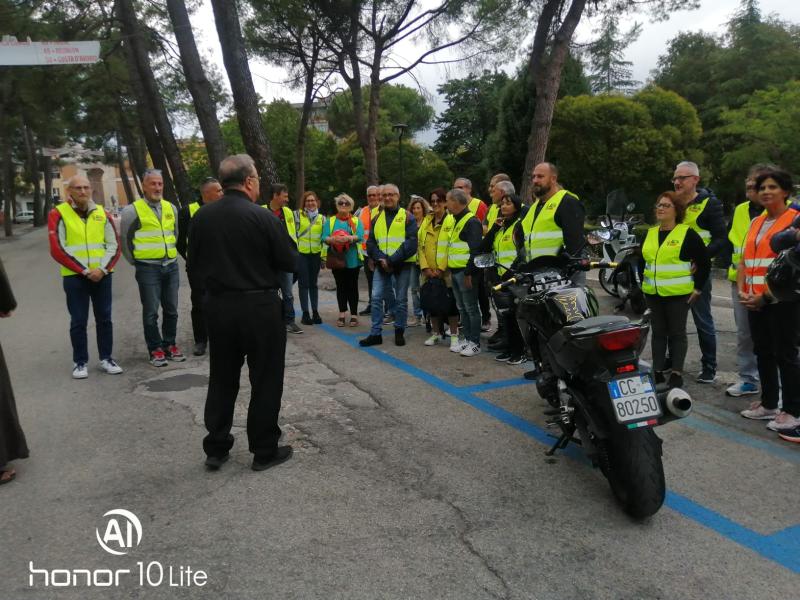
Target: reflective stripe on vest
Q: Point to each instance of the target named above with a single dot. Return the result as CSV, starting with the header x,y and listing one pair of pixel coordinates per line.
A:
x,y
505,252
491,216
665,274
758,257
693,211
389,240
193,208
154,239
737,234
457,249
86,241
309,235
543,237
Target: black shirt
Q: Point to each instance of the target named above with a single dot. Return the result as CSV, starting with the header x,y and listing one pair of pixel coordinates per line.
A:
x,y
235,245
712,219
184,220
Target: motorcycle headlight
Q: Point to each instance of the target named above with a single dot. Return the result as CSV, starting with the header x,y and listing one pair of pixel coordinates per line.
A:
x,y
598,236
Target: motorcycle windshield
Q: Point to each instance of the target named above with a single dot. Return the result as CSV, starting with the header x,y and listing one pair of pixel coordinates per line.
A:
x,y
615,203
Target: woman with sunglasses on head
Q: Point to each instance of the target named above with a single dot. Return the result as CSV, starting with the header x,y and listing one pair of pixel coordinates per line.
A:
x,y
344,233
309,245
677,266
420,208
506,240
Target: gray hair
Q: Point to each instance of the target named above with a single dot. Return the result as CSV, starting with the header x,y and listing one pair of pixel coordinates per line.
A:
x,y
459,196
691,166
465,181
372,187
392,186
498,177
79,175
347,198
151,173
234,170
506,186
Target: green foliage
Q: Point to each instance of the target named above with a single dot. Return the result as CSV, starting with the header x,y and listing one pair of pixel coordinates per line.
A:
x,y
423,169
398,104
610,72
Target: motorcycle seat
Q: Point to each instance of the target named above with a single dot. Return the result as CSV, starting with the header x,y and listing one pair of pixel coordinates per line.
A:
x,y
598,322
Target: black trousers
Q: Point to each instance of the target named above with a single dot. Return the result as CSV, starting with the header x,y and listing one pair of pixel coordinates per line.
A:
x,y
516,344
245,325
347,289
668,330
483,296
775,330
199,328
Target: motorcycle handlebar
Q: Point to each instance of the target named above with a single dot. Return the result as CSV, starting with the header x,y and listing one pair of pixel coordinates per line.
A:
x,y
505,284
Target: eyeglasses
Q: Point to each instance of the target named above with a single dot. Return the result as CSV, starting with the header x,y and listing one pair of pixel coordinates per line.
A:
x,y
389,194
681,177
256,177
342,203
664,205
79,187
460,187
436,201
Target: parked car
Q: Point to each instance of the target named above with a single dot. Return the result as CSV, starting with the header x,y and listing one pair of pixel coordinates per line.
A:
x,y
24,216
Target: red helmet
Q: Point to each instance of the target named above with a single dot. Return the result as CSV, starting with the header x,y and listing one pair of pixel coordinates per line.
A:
x,y
340,246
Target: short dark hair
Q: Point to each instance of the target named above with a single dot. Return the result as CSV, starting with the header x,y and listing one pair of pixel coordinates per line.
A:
x,y
440,192
277,188
680,209
781,177
235,169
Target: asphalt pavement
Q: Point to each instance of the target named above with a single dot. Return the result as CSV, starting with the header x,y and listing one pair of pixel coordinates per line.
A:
x,y
417,474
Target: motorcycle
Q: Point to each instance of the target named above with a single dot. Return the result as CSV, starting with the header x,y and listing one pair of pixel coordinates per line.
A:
x,y
601,395
618,244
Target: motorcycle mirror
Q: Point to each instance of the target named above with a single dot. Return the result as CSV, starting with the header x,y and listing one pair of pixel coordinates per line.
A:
x,y
605,221
485,261
630,207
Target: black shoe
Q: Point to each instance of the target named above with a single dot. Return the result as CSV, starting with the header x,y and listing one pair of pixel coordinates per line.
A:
x,y
213,463
306,319
531,375
660,377
262,463
503,357
399,340
292,327
707,376
371,340
316,319
366,312
517,359
200,348
675,381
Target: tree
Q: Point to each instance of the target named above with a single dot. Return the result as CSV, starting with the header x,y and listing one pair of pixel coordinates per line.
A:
x,y
245,99
610,72
197,82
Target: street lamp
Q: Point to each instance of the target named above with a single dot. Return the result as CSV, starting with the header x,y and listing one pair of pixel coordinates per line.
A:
x,y
400,128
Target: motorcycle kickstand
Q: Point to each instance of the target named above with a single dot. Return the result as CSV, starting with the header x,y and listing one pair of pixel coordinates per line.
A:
x,y
560,444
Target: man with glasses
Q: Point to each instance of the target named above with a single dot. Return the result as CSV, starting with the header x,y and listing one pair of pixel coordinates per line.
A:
x,y
279,199
149,242
392,245
704,214
84,242
239,252
210,191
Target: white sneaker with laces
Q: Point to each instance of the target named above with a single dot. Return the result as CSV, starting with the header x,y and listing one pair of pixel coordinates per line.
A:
x,y
783,422
433,340
110,366
758,412
471,350
457,345
79,371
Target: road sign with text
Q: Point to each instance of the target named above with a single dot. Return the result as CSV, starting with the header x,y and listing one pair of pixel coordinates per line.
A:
x,y
28,53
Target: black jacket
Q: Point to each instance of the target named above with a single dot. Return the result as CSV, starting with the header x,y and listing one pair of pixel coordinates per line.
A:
x,y
712,219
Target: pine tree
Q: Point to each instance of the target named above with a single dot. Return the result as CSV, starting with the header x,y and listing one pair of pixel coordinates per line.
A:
x,y
609,71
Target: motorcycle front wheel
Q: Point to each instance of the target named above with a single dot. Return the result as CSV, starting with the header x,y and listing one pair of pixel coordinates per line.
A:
x,y
635,471
606,282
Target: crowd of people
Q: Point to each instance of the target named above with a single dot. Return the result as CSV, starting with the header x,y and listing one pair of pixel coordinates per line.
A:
x,y
429,250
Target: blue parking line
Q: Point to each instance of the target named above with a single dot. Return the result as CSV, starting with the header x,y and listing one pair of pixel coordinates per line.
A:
x,y
782,547
494,385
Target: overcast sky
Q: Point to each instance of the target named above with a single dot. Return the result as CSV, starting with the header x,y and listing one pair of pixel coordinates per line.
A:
x,y
711,17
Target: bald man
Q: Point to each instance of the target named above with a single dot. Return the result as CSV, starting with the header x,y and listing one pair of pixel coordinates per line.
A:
x,y
84,242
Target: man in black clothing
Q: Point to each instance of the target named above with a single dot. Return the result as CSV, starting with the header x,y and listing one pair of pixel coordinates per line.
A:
x,y
237,251
210,191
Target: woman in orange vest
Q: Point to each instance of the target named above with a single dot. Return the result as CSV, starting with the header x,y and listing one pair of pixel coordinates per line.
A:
x,y
775,326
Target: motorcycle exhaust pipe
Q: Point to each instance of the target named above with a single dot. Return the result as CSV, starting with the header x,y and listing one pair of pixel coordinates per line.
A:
x,y
675,403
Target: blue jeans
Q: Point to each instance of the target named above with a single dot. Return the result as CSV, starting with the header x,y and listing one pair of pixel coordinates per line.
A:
x,y
307,275
80,291
287,281
706,333
467,302
397,284
158,284
415,273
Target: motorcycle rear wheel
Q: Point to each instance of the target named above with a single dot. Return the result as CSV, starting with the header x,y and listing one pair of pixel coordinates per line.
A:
x,y
635,471
610,288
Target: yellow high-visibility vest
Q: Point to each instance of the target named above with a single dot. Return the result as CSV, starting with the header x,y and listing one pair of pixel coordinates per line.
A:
x,y
457,249
390,239
309,235
86,241
665,274
543,237
693,211
154,239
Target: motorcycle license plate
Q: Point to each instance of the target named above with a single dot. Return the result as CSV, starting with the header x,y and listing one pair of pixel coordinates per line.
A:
x,y
634,398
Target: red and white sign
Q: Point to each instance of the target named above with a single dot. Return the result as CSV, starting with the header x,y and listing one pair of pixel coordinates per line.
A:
x,y
28,53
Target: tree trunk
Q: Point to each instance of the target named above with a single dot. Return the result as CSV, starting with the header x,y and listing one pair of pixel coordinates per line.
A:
x,y
123,174
7,182
545,69
131,29
245,99
47,169
198,84
371,147
32,174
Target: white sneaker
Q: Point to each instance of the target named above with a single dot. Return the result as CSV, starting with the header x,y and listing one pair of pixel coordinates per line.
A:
x,y
79,371
433,340
783,421
471,350
457,345
110,366
758,412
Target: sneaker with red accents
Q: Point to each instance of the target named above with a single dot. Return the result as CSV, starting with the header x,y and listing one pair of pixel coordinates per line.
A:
x,y
174,354
784,421
790,435
158,358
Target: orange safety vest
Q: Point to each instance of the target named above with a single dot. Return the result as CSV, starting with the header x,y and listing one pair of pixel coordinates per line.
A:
x,y
366,223
758,257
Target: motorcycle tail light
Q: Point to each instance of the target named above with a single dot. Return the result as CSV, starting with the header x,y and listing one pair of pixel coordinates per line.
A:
x,y
620,339
626,368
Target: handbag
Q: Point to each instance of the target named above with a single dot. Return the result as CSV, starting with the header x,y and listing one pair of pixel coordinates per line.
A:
x,y
335,259
434,297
